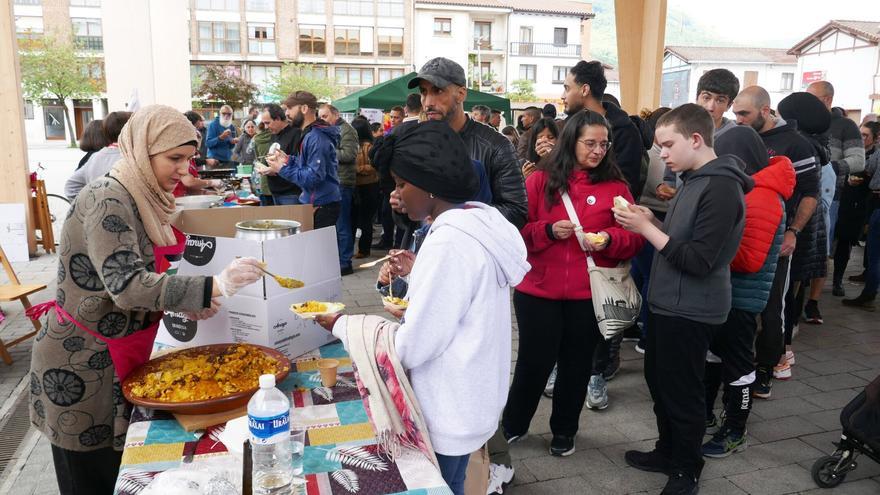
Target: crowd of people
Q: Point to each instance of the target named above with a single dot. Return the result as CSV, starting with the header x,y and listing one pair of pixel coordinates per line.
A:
x,y
729,230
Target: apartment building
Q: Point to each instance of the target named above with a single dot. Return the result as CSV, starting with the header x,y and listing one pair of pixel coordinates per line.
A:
x,y
501,41
44,120
357,43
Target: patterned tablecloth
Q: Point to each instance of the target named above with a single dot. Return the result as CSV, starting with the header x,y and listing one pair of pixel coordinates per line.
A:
x,y
340,454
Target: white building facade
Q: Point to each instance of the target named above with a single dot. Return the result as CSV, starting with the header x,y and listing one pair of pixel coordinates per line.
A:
x,y
846,54
772,69
501,41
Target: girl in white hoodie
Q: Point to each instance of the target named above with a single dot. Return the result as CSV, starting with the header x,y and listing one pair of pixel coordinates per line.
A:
x,y
455,339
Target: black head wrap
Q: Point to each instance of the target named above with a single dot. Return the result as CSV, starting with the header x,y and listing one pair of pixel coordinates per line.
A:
x,y
811,114
744,142
432,157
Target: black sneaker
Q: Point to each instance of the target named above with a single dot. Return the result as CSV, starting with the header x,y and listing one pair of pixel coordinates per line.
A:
x,y
837,290
863,301
857,278
562,446
763,384
512,438
681,484
346,270
811,312
632,334
652,461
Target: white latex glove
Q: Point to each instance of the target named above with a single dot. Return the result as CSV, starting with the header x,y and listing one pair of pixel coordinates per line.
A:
x,y
240,273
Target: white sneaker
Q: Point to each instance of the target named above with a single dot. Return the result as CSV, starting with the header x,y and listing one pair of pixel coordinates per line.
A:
x,y
551,382
499,477
597,393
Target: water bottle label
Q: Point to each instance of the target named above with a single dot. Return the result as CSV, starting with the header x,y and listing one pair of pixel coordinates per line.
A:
x,y
265,431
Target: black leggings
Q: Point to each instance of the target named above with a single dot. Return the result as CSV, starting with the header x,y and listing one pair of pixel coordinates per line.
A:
x,y
551,331
92,472
365,207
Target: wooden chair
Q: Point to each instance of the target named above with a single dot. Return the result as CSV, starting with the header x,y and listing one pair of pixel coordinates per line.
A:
x,y
42,217
12,291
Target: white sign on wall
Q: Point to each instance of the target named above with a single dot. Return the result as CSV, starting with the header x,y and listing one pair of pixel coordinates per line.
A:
x,y
13,231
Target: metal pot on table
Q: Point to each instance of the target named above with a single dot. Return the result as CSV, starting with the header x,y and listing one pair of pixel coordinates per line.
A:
x,y
261,230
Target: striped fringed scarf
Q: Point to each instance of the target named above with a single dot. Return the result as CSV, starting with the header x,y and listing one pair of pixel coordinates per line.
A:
x,y
384,387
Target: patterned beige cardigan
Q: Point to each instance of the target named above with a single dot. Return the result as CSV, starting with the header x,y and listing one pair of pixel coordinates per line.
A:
x,y
106,282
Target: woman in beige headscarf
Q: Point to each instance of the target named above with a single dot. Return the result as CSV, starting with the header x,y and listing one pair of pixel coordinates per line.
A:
x,y
116,244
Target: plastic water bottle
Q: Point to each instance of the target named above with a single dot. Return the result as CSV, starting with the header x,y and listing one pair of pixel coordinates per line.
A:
x,y
269,422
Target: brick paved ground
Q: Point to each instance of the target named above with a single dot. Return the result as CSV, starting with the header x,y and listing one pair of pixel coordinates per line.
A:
x,y
786,433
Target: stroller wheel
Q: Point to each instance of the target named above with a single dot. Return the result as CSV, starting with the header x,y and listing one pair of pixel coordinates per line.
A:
x,y
825,472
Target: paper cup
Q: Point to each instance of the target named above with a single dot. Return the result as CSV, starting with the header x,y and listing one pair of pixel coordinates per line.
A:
x,y
328,368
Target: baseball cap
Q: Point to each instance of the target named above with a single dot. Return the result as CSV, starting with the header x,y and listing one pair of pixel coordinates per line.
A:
x,y
440,72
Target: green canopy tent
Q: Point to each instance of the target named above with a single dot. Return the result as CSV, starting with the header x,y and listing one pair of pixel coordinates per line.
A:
x,y
391,93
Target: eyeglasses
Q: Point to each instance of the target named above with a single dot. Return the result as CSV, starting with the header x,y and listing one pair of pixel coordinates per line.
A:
x,y
225,113
591,145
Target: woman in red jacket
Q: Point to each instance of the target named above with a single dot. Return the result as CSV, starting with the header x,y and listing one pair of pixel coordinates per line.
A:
x,y
553,304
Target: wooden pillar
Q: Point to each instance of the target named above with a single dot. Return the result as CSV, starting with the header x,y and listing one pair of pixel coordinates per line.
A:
x,y
641,31
13,146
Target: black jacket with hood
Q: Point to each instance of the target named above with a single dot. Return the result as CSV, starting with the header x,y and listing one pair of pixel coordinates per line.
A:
x,y
629,149
690,276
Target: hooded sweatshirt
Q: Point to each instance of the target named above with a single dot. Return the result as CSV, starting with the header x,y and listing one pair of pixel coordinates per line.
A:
x,y
455,340
690,276
628,146
314,167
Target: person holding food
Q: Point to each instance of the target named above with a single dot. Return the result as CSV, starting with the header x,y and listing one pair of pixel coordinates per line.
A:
x,y
456,327
557,323
116,246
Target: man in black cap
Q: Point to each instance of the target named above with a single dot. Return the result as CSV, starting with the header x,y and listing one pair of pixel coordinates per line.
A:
x,y
443,87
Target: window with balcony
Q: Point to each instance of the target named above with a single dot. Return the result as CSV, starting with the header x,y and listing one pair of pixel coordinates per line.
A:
x,y
354,76
260,5
390,8
261,39
230,5
559,74
311,7
527,71
353,40
84,3
93,71
312,40
219,37
28,27
87,34
787,81
389,74
560,36
486,73
353,7
442,26
483,35
390,42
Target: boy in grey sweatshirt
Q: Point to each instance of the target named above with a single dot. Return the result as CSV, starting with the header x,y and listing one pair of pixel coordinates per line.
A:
x,y
689,294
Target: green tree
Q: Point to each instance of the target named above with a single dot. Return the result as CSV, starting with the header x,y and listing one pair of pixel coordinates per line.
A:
x,y
302,77
53,68
222,84
523,90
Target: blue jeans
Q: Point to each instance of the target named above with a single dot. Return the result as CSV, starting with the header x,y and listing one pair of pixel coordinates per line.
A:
x,y
872,274
453,469
344,237
641,268
287,199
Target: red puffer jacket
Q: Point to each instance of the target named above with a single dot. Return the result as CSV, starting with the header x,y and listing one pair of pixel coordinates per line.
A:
x,y
559,267
763,213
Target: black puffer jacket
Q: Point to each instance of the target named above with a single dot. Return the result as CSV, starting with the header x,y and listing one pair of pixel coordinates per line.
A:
x,y
498,157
